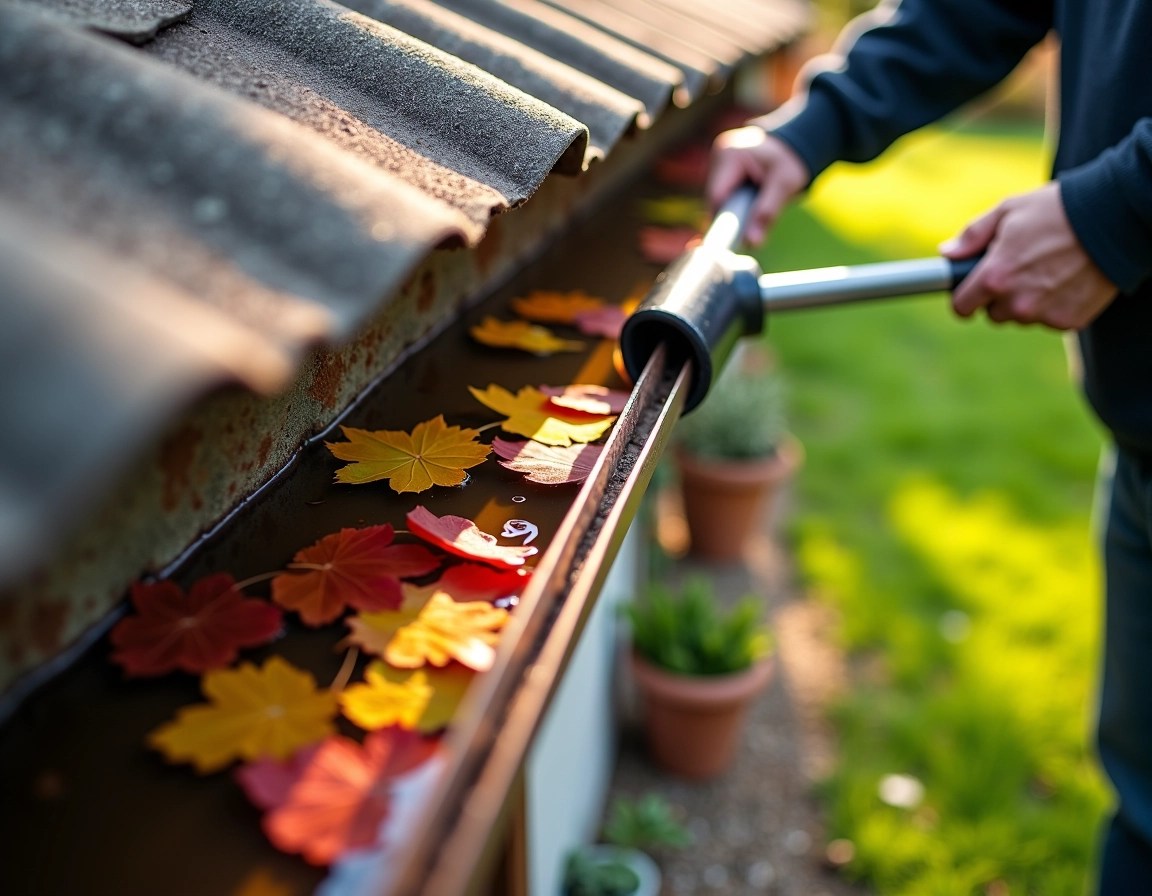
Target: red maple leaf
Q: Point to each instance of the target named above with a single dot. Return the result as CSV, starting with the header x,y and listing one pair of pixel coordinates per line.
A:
x,y
195,632
333,798
474,581
462,537
606,322
358,568
663,245
587,399
547,464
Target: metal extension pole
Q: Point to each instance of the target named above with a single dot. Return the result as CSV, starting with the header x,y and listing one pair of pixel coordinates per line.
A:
x,y
854,283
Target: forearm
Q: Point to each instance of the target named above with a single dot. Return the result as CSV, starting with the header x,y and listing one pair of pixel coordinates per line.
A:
x,y
903,65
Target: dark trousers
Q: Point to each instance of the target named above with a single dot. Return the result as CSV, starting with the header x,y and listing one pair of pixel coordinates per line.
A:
x,y
1125,724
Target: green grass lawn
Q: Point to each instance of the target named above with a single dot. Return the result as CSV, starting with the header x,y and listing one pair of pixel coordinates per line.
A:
x,y
944,511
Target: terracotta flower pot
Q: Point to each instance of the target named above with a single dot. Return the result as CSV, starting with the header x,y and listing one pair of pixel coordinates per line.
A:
x,y
725,500
693,725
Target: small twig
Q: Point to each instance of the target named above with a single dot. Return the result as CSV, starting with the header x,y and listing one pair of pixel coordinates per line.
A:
x,y
341,680
255,580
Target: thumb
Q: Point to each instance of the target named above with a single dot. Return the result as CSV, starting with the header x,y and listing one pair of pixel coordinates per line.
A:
x,y
975,237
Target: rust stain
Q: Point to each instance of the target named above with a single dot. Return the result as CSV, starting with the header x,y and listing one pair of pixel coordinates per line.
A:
x,y
48,623
331,369
263,450
488,249
426,293
177,458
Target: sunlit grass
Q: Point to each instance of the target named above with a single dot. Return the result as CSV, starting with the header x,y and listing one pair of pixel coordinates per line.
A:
x,y
944,510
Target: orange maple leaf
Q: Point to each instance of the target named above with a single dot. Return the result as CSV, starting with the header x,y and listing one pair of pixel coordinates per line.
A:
x,y
529,413
432,454
432,629
358,568
335,797
252,713
522,335
548,307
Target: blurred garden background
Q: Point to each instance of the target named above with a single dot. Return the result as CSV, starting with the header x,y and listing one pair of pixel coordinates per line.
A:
x,y
945,512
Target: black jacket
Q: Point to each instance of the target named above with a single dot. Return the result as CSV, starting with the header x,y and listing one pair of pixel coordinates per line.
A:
x,y
909,63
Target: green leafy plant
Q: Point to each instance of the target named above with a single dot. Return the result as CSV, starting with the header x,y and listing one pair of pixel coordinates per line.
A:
x,y
742,417
645,823
688,633
633,827
588,875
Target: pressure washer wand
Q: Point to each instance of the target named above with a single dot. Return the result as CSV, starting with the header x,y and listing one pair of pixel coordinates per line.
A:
x,y
710,298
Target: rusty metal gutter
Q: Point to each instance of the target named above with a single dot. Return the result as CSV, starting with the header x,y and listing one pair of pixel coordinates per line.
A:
x,y
492,736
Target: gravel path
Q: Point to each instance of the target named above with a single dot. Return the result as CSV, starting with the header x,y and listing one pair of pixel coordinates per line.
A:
x,y
757,828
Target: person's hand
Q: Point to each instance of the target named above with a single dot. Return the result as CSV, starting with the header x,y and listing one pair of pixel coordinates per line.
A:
x,y
750,154
1034,269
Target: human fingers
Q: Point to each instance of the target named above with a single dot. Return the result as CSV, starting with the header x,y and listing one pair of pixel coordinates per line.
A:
x,y
732,164
750,154
975,292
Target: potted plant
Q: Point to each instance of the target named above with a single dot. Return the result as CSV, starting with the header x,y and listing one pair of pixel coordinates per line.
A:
x,y
621,865
733,454
698,668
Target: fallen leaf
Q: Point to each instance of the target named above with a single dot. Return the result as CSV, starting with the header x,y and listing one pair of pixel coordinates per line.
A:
x,y
378,702
596,400
431,629
194,632
606,322
461,537
547,307
432,454
474,581
548,464
336,797
663,245
674,211
686,167
252,713
529,413
267,782
424,700
358,568
522,335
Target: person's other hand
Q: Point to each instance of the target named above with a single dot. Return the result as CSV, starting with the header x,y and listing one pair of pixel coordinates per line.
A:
x,y
1034,269
751,154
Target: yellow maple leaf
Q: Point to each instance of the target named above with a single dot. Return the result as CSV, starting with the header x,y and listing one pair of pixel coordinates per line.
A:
x,y
439,631
530,413
522,335
432,454
425,699
252,713
671,211
547,307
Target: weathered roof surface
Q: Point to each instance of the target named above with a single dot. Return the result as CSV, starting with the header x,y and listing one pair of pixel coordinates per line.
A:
x,y
194,193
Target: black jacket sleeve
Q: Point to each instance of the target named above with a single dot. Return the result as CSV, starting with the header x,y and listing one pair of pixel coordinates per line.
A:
x,y
1108,201
903,65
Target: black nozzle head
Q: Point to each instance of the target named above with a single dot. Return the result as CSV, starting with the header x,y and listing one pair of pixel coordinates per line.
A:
x,y
698,309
